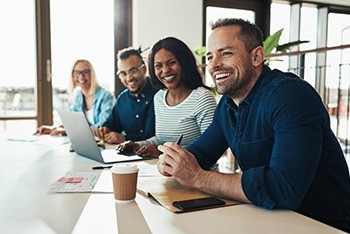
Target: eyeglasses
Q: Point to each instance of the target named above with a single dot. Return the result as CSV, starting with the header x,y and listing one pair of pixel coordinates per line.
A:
x,y
132,71
77,73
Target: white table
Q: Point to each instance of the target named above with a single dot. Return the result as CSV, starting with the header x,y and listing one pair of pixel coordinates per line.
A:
x,y
28,170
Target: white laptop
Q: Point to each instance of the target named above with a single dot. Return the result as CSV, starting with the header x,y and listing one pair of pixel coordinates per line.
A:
x,y
84,143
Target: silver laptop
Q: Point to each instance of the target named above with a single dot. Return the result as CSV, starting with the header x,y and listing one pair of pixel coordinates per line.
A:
x,y
84,143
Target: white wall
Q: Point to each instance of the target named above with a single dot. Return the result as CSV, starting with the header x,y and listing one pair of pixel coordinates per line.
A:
x,y
156,19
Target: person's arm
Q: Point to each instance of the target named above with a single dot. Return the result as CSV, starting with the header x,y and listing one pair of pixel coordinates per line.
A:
x,y
44,129
113,122
103,107
52,130
296,115
77,104
183,166
211,145
59,131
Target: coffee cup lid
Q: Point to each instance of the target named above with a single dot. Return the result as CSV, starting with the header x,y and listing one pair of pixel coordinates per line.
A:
x,y
124,168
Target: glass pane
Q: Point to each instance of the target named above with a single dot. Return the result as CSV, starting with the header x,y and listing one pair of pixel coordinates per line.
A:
x,y
80,29
338,34
338,71
18,61
308,32
280,16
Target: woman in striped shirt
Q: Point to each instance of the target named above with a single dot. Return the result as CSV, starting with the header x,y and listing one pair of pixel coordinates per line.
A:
x,y
183,105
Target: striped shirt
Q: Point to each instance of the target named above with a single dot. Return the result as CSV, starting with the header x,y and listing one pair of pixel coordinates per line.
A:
x,y
190,118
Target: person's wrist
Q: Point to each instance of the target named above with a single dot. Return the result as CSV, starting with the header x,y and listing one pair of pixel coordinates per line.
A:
x,y
200,180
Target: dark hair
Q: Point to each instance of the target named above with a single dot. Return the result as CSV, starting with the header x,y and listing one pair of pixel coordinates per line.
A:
x,y
250,34
190,73
127,52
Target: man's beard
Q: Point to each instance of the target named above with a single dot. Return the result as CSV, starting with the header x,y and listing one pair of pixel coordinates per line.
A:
x,y
236,87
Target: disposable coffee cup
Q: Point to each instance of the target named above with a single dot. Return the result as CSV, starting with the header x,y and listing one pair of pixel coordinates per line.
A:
x,y
124,181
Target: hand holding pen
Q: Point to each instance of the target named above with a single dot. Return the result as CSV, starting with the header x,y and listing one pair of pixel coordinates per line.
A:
x,y
179,163
162,158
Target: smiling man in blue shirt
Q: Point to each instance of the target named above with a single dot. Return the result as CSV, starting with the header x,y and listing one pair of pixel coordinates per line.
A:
x,y
278,129
132,116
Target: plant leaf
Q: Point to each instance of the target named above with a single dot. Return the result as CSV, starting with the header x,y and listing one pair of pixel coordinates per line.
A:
x,y
285,47
271,42
201,51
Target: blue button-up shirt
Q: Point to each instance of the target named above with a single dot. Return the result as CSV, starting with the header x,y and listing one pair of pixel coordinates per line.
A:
x,y
281,137
134,115
102,107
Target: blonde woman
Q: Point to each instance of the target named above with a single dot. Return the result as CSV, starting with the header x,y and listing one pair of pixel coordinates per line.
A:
x,y
89,97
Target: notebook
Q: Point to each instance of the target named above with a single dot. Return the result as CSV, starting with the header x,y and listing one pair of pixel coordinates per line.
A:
x,y
166,190
84,143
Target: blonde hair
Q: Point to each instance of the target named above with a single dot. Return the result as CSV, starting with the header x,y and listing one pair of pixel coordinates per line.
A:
x,y
94,82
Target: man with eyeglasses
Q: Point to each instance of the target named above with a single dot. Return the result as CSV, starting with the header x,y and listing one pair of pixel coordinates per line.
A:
x,y
132,117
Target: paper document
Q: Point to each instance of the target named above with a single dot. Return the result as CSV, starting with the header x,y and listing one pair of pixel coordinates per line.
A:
x,y
148,170
37,139
22,137
105,184
76,182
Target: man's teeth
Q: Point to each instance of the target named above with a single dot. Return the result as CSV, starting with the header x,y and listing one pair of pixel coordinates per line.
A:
x,y
222,75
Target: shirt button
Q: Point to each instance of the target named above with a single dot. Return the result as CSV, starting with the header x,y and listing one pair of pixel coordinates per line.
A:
x,y
141,131
138,100
137,116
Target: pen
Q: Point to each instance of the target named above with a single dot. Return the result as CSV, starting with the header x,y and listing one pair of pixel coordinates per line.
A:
x,y
101,167
179,139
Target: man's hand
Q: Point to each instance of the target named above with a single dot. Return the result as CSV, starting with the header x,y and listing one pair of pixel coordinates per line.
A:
x,y
127,146
114,138
180,163
101,132
107,136
150,150
183,166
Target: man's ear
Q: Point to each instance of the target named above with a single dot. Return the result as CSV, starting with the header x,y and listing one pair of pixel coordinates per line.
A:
x,y
258,55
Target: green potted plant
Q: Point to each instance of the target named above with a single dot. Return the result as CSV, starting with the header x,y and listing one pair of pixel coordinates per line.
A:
x,y
272,46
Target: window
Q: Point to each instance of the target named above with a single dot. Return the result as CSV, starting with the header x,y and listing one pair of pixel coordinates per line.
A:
x,y
80,29
18,59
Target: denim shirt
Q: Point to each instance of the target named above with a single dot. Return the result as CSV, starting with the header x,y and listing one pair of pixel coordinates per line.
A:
x,y
281,137
134,115
102,107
